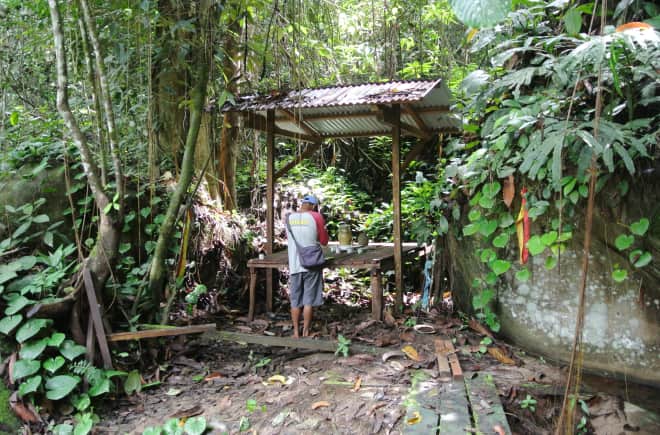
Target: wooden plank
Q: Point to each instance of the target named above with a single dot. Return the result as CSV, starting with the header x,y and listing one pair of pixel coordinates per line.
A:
x,y
95,314
270,199
456,371
454,413
90,342
421,406
253,292
396,204
487,411
441,352
376,295
161,332
299,343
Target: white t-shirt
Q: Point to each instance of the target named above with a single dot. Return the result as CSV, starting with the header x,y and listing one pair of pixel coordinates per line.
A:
x,y
304,229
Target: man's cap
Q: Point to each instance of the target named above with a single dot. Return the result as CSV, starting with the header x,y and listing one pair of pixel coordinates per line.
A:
x,y
311,199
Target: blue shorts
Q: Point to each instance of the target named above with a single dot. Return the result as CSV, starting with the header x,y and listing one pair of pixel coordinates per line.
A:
x,y
306,289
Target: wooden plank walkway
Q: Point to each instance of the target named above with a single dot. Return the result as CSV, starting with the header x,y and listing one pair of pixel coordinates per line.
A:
x,y
454,404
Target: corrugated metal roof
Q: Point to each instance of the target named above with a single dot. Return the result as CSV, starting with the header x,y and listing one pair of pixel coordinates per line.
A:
x,y
353,110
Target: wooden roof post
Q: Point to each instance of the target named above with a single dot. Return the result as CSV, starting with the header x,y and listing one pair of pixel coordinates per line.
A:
x,y
396,203
270,199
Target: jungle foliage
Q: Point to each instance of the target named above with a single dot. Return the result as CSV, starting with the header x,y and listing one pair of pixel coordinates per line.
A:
x,y
525,80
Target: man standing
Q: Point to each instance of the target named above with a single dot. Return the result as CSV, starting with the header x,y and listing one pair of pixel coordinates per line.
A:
x,y
305,285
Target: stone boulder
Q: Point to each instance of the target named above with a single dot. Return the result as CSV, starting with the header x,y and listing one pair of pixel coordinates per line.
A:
x,y
622,322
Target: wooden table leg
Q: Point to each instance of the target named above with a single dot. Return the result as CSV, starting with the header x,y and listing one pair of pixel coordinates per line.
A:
x,y
376,295
269,290
253,287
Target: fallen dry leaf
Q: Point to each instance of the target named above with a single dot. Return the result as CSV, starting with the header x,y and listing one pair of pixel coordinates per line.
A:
x,y
21,410
364,325
389,319
478,327
415,419
411,352
321,404
508,191
376,406
407,336
12,361
212,376
187,413
358,383
277,378
386,340
499,355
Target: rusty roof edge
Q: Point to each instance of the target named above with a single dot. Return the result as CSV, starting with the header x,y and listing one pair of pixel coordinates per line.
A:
x,y
231,107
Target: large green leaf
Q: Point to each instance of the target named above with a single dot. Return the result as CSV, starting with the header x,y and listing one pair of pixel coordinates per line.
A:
x,y
487,227
624,241
7,275
133,383
100,387
56,339
71,350
17,304
573,21
81,402
63,429
33,349
7,324
639,228
535,245
643,260
84,424
470,229
522,275
31,328
491,189
61,386
481,13
195,426
30,385
25,367
619,275
501,240
51,365
488,255
500,266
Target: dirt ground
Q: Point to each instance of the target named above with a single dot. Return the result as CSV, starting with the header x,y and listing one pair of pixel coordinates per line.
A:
x,y
240,388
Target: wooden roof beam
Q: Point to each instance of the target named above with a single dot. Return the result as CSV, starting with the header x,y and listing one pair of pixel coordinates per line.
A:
x,y
364,114
418,119
392,118
298,120
258,122
309,150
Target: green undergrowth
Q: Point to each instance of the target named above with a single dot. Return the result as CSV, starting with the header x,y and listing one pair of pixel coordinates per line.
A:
x,y
9,424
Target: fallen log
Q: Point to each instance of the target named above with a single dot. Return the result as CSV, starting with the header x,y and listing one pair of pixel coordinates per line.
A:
x,y
299,343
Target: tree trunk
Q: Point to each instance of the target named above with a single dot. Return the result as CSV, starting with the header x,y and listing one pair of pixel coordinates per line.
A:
x,y
102,257
157,274
229,147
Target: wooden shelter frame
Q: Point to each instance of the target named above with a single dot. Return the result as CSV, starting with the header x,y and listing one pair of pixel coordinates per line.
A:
x,y
387,109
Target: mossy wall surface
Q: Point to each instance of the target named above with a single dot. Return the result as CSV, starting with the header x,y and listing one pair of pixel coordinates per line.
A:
x,y
622,323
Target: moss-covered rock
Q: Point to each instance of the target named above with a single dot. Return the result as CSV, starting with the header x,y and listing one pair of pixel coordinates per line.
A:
x,y
622,319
